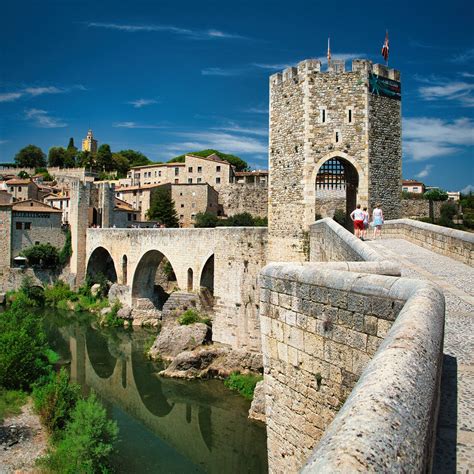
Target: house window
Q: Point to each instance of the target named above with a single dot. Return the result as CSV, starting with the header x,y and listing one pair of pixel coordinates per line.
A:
x,y
176,181
181,216
176,171
218,180
218,169
159,173
129,217
415,188
27,225
180,194
190,180
404,189
19,189
193,205
11,189
199,169
190,169
199,180
182,205
18,226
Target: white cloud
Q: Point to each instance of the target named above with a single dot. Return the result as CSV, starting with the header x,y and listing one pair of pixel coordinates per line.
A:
x,y
424,172
468,189
275,66
138,103
134,125
460,91
191,34
257,110
426,138
217,71
234,128
464,57
225,142
42,119
37,91
34,91
3,141
10,96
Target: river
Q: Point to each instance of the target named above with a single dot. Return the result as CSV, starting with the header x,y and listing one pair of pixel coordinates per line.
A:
x,y
166,425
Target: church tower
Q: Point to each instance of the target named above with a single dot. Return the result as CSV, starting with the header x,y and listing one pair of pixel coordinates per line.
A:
x,y
89,143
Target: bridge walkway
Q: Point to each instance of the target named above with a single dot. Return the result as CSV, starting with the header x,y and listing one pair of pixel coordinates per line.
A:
x,y
455,436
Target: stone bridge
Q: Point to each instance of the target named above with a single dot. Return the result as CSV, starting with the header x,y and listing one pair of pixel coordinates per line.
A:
x,y
226,261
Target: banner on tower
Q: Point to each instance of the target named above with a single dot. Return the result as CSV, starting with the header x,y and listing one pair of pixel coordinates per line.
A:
x,y
383,86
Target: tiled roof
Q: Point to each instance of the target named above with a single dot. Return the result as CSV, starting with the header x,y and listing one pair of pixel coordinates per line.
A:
x,y
32,205
19,181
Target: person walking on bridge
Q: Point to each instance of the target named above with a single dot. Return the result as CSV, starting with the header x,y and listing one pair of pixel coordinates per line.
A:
x,y
377,216
357,216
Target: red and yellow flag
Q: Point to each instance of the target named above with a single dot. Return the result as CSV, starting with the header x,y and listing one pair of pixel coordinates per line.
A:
x,y
385,47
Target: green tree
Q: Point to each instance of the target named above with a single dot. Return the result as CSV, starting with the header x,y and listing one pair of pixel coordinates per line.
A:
x,y
436,195
31,156
243,219
120,164
70,145
57,156
205,219
240,165
23,174
86,159
162,208
104,158
22,347
135,158
71,154
42,255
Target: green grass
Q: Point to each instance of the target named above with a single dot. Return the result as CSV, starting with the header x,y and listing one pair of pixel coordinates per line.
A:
x,y
244,384
11,402
192,316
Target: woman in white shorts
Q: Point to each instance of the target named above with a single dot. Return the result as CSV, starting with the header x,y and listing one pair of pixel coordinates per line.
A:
x,y
377,222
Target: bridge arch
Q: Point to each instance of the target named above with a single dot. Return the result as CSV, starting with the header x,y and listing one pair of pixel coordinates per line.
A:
x,y
206,279
150,285
101,262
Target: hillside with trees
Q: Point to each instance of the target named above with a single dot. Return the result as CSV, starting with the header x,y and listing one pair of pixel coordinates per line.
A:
x,y
240,165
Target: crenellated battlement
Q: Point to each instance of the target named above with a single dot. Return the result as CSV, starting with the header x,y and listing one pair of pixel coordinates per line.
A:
x,y
336,66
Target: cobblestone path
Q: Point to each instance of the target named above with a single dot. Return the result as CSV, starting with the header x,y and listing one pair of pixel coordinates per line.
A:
x,y
455,436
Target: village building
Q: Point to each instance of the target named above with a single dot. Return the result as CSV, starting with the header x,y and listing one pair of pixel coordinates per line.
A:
x,y
257,177
191,199
413,186
59,201
22,189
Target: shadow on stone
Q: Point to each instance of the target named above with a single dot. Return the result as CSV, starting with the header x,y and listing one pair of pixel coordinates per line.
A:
x,y
446,436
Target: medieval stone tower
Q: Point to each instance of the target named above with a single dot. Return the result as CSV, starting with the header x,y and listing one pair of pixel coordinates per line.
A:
x,y
332,130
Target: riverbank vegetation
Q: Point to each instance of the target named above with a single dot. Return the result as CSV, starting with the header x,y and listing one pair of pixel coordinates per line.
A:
x,y
82,436
191,316
244,219
243,383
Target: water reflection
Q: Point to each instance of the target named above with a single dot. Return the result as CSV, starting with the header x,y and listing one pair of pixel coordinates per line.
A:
x,y
166,425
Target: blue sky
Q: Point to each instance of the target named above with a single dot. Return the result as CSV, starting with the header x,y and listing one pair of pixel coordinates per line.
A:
x,y
168,77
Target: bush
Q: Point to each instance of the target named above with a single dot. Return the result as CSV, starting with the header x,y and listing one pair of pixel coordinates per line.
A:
x,y
42,255
34,293
191,316
66,252
244,384
111,319
87,443
55,399
22,348
447,211
57,292
243,219
205,219
340,217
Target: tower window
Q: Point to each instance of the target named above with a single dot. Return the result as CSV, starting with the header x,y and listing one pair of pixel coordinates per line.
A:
x,y
349,115
323,115
337,137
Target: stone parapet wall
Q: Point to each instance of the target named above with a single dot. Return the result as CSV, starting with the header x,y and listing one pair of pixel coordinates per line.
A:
x,y
325,329
329,241
238,198
453,243
419,208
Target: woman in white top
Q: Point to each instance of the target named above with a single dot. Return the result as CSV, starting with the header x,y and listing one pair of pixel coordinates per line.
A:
x,y
377,216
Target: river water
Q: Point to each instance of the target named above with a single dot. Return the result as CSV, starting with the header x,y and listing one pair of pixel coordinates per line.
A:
x,y
166,425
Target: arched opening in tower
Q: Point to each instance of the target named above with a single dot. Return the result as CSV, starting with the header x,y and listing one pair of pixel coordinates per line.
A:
x,y
101,265
153,281
336,184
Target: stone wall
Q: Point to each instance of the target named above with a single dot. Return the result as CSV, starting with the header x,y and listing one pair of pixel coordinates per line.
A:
x,y
419,208
238,198
385,154
453,243
320,329
5,235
